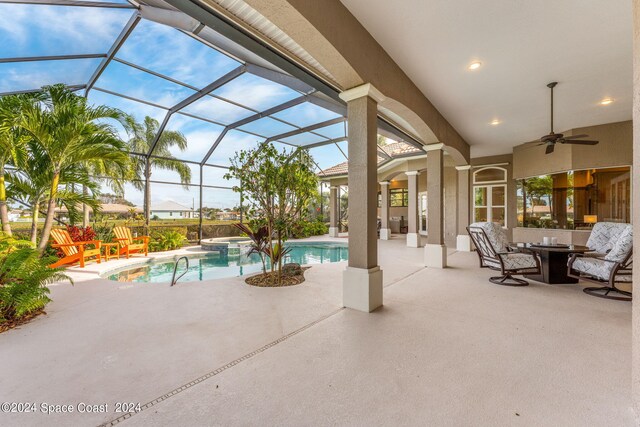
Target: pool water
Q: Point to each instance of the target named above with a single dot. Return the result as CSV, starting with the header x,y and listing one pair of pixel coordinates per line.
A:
x,y
217,266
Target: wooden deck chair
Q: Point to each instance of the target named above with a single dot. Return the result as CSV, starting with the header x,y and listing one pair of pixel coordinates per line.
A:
x,y
127,242
73,251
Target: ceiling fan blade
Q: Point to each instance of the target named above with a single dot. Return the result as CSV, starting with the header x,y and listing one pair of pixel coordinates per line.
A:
x,y
576,136
581,142
550,148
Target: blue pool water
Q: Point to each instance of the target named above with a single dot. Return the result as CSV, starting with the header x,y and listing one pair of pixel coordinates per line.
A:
x,y
216,266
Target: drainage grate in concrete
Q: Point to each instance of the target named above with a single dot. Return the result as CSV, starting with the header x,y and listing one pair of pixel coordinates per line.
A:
x,y
208,375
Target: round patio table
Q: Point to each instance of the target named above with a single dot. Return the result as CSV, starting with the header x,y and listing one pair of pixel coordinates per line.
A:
x,y
553,261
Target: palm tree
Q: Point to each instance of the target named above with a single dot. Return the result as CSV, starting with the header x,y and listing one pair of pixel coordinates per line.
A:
x,y
30,185
12,139
141,139
70,133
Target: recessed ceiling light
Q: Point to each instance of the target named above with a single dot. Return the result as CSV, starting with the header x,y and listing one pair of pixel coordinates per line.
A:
x,y
475,65
606,101
495,122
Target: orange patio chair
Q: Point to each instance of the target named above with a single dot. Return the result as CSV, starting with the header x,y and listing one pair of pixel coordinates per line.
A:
x,y
73,251
127,242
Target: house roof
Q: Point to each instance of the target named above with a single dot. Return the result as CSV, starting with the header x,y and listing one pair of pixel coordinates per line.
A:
x,y
106,208
394,150
170,206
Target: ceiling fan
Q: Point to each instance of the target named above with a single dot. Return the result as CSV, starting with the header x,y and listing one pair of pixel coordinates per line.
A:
x,y
551,139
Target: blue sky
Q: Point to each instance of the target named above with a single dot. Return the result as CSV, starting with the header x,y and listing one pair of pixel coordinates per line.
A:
x,y
41,30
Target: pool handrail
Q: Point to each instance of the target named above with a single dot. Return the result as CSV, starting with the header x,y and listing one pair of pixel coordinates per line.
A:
x,y
174,279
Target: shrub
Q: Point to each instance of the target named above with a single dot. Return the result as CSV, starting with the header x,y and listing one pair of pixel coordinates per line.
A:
x,y
103,232
303,229
166,240
24,277
81,234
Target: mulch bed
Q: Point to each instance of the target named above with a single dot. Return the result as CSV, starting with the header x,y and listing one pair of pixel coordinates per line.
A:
x,y
270,280
21,321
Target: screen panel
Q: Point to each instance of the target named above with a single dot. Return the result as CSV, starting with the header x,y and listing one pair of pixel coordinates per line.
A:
x,y
171,52
18,76
42,30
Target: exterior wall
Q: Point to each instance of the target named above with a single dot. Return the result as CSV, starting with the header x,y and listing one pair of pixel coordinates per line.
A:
x,y
615,149
172,214
395,175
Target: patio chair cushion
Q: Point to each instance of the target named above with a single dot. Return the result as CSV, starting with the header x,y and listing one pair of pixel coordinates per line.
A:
x,y
519,261
495,233
604,235
598,268
622,246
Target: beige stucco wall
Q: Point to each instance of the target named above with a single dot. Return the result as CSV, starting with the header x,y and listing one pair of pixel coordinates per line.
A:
x,y
614,149
635,361
395,175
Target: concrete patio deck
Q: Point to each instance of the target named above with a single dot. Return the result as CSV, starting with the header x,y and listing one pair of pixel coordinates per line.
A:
x,y
448,348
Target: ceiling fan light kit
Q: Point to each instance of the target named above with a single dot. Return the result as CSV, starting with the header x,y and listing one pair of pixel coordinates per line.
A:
x,y
552,138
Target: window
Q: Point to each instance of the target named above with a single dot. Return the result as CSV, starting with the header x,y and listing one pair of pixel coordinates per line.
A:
x,y
489,175
398,197
574,200
490,195
490,203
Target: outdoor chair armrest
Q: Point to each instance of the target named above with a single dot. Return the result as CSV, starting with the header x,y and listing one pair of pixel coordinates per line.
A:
x,y
64,245
143,238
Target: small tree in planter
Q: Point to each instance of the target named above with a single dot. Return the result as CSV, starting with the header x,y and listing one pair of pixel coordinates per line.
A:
x,y
276,186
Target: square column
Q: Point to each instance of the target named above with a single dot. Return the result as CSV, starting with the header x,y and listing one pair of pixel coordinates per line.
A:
x,y
362,280
334,228
413,238
435,252
463,241
635,318
385,231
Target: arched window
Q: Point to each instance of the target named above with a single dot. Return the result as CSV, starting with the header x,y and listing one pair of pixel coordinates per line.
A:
x,y
490,195
489,175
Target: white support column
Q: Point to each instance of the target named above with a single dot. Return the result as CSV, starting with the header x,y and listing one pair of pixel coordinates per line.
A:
x,y
413,238
385,231
362,280
635,318
334,228
463,241
435,252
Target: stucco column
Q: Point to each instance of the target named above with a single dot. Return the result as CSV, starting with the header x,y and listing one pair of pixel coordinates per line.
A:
x,y
635,319
362,279
463,241
435,251
413,238
385,231
334,228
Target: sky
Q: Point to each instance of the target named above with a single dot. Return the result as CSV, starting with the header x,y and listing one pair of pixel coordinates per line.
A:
x,y
43,30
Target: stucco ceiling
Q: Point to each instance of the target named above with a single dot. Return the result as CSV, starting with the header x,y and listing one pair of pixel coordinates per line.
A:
x,y
585,45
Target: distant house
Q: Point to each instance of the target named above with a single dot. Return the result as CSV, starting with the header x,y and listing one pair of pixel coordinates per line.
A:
x,y
115,209
228,216
169,209
14,215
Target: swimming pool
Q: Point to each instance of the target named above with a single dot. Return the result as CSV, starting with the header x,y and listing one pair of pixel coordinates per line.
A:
x,y
216,265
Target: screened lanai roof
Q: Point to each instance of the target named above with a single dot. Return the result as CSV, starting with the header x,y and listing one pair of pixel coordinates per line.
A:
x,y
149,59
